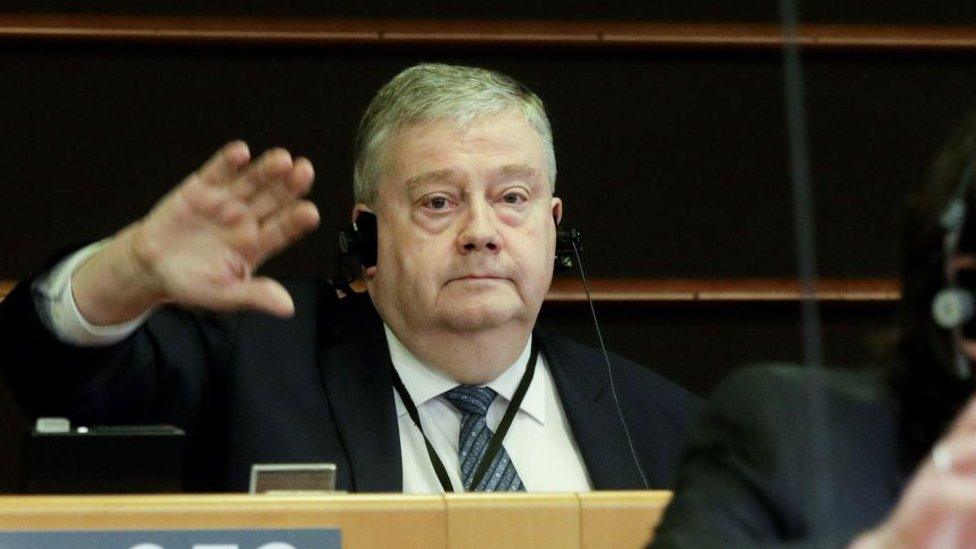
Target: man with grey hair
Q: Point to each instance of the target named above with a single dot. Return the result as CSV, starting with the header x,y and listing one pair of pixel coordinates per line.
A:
x,y
436,382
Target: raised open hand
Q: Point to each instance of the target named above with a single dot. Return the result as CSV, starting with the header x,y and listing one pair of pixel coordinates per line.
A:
x,y
201,243
938,507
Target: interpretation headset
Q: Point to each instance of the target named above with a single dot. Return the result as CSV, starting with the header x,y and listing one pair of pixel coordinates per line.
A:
x,y
359,240
954,306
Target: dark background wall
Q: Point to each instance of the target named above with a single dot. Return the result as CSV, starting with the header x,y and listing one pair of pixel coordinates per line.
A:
x,y
673,162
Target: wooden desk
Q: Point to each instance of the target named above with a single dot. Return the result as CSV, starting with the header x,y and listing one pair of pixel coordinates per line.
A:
x,y
536,521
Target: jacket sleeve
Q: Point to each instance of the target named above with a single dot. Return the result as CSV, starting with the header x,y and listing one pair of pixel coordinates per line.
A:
x,y
158,374
741,481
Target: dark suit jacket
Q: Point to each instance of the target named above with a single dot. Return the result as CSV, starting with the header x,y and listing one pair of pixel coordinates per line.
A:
x,y
787,457
249,388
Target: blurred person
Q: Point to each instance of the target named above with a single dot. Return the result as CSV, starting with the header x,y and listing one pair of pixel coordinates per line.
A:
x,y
797,457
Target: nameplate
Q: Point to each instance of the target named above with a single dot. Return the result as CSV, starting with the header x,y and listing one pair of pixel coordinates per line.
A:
x,y
319,538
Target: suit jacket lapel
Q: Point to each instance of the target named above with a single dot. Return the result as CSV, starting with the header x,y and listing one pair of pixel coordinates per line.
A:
x,y
356,374
584,391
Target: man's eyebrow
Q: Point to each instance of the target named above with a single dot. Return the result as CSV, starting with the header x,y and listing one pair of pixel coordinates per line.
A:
x,y
430,177
512,171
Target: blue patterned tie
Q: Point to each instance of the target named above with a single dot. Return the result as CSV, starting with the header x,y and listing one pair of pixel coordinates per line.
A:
x,y
473,403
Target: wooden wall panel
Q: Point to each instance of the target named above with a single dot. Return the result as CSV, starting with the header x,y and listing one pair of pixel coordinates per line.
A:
x,y
569,289
331,33
493,521
601,512
672,161
875,11
365,520
537,521
697,344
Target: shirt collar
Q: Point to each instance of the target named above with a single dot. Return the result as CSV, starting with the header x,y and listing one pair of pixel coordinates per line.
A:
x,y
425,383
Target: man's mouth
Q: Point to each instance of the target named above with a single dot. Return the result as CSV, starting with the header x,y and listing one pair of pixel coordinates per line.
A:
x,y
479,277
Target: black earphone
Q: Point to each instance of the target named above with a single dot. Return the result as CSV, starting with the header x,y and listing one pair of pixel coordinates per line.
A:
x,y
359,240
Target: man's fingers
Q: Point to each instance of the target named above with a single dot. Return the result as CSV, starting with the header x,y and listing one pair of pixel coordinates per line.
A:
x,y
273,165
225,165
955,456
262,294
946,494
300,180
283,192
966,421
232,212
207,200
287,226
214,203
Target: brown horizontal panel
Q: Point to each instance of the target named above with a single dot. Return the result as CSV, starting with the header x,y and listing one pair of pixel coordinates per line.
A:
x,y
184,30
701,290
5,287
724,290
337,32
808,36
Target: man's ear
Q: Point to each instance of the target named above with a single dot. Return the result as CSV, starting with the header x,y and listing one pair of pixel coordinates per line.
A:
x,y
557,210
358,209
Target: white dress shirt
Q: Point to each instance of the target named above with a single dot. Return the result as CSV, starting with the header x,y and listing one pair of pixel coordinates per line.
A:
x,y
539,440
56,306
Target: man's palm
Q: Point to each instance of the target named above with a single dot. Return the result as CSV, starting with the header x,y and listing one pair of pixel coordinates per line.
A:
x,y
201,243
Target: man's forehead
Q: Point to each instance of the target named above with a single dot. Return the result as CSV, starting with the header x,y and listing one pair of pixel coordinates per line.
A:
x,y
500,145
504,128
447,175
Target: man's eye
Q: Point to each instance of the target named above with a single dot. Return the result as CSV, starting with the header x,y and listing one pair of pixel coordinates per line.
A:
x,y
514,198
438,203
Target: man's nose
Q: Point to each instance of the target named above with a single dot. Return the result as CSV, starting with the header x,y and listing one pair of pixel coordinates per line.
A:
x,y
480,230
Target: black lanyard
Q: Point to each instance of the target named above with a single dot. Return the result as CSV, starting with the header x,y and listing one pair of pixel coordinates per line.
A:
x,y
496,440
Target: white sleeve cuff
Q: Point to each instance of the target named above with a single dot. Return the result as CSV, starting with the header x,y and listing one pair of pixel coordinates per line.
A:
x,y
56,306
